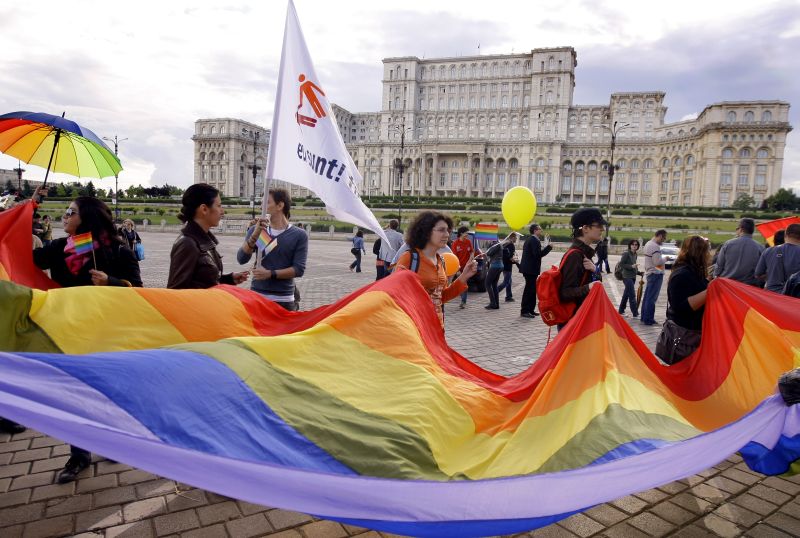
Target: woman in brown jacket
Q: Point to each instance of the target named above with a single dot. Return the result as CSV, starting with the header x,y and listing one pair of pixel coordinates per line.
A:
x,y
194,260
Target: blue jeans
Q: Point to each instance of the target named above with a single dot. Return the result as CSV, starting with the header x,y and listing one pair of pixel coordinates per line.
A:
x,y
357,262
629,296
651,291
506,284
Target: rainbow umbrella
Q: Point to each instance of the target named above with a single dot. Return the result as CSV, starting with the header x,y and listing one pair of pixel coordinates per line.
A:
x,y
57,144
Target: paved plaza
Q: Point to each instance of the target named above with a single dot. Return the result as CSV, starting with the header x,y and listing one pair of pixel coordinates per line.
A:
x,y
113,500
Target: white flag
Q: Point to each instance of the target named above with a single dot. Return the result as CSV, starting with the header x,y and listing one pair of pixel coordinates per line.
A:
x,y
305,146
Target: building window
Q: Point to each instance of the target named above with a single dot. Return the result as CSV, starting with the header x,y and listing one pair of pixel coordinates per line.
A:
x,y
725,175
731,116
724,199
749,116
566,183
539,185
744,174
590,184
204,173
766,116
727,153
761,174
442,179
744,152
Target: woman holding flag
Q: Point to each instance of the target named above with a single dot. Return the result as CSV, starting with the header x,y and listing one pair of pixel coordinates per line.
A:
x,y
281,250
92,254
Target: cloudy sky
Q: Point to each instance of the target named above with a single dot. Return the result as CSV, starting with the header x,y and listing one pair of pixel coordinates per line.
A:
x,y
147,70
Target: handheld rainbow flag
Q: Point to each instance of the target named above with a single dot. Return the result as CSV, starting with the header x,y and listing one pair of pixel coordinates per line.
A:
x,y
768,229
83,243
266,243
486,231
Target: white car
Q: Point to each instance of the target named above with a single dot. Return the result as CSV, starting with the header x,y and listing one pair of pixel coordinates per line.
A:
x,y
669,253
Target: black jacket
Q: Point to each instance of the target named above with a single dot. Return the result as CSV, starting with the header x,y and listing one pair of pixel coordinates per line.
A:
x,y
115,260
575,279
194,260
532,254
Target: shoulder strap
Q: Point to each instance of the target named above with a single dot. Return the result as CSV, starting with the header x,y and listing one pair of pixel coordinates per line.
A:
x,y
566,255
414,263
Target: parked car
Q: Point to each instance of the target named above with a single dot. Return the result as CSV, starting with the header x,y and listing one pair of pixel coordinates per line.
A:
x,y
669,253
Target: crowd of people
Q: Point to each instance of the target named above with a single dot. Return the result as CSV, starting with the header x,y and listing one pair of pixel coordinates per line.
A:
x,y
281,249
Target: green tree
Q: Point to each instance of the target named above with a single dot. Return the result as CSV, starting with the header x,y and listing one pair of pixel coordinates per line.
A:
x,y
90,190
63,190
9,186
783,199
743,201
101,193
26,189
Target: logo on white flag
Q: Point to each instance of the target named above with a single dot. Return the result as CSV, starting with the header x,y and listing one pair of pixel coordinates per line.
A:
x,y
307,89
306,147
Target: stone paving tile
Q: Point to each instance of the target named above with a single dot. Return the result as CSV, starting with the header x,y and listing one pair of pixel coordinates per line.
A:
x,y
176,522
46,528
101,518
249,526
581,525
32,480
68,505
215,513
726,499
720,527
651,524
765,531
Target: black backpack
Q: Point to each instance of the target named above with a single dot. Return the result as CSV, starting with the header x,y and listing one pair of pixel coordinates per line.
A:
x,y
376,247
792,287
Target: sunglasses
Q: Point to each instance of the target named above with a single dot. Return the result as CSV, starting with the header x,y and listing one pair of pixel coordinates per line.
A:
x,y
69,212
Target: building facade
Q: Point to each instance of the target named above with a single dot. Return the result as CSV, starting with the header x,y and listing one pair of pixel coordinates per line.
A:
x,y
224,152
477,126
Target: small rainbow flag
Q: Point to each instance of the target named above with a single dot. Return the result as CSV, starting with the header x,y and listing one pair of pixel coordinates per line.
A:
x,y
486,232
266,243
83,243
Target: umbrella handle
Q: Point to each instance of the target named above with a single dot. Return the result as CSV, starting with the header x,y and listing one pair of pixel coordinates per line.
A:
x,y
52,153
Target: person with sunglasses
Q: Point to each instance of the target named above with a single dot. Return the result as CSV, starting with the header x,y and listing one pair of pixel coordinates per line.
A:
x,y
110,263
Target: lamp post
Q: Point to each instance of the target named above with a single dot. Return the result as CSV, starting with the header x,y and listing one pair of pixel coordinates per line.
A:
x,y
399,165
256,134
19,171
615,129
116,176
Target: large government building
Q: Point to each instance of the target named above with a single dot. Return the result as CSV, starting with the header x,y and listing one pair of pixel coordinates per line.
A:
x,y
477,126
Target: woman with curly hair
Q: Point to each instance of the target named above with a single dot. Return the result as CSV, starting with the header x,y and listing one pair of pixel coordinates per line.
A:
x,y
428,233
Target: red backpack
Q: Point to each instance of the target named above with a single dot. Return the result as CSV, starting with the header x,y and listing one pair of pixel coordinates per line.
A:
x,y
552,309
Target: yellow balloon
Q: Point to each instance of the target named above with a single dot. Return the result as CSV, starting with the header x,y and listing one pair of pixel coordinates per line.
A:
x,y
519,207
451,263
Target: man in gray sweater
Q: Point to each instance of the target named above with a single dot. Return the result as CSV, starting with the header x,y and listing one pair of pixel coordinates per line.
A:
x,y
284,257
737,258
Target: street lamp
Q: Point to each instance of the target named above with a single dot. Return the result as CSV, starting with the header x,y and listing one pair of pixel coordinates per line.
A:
x,y
399,164
255,134
19,171
615,129
116,176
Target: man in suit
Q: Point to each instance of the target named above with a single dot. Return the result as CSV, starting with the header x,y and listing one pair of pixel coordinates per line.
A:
x,y
530,266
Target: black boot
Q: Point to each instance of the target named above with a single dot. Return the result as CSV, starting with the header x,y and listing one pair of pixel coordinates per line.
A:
x,y
9,426
71,470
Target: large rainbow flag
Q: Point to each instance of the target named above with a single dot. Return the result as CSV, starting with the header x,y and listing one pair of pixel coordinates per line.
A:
x,y
360,412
